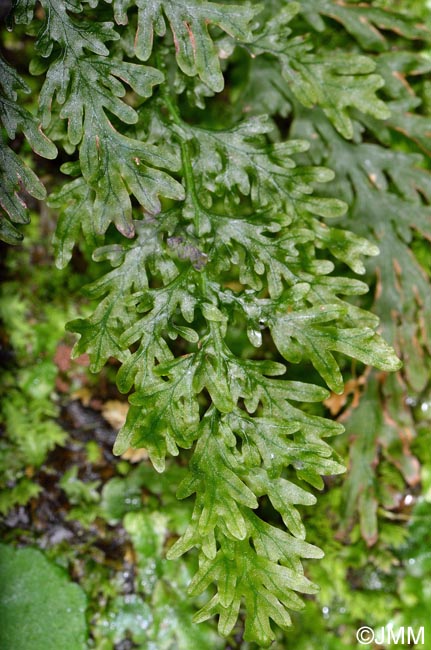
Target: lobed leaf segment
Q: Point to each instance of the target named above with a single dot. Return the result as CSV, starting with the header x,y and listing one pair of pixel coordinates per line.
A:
x,y
384,176
223,231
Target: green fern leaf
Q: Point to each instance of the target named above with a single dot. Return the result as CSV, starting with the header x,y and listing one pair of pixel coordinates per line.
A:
x,y
363,21
15,175
227,235
334,82
195,50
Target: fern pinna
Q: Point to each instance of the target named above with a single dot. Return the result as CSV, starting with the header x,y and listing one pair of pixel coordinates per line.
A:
x,y
213,222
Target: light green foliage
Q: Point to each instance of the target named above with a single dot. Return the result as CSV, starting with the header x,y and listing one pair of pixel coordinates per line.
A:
x,y
83,496
171,625
31,587
31,331
20,494
216,222
414,593
158,615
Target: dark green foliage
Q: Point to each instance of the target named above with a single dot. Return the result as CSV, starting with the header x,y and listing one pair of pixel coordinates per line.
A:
x,y
15,175
384,177
213,223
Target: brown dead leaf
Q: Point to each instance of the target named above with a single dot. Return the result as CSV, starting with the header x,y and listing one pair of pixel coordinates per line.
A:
x,y
335,403
82,360
115,412
84,395
62,357
61,386
135,455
